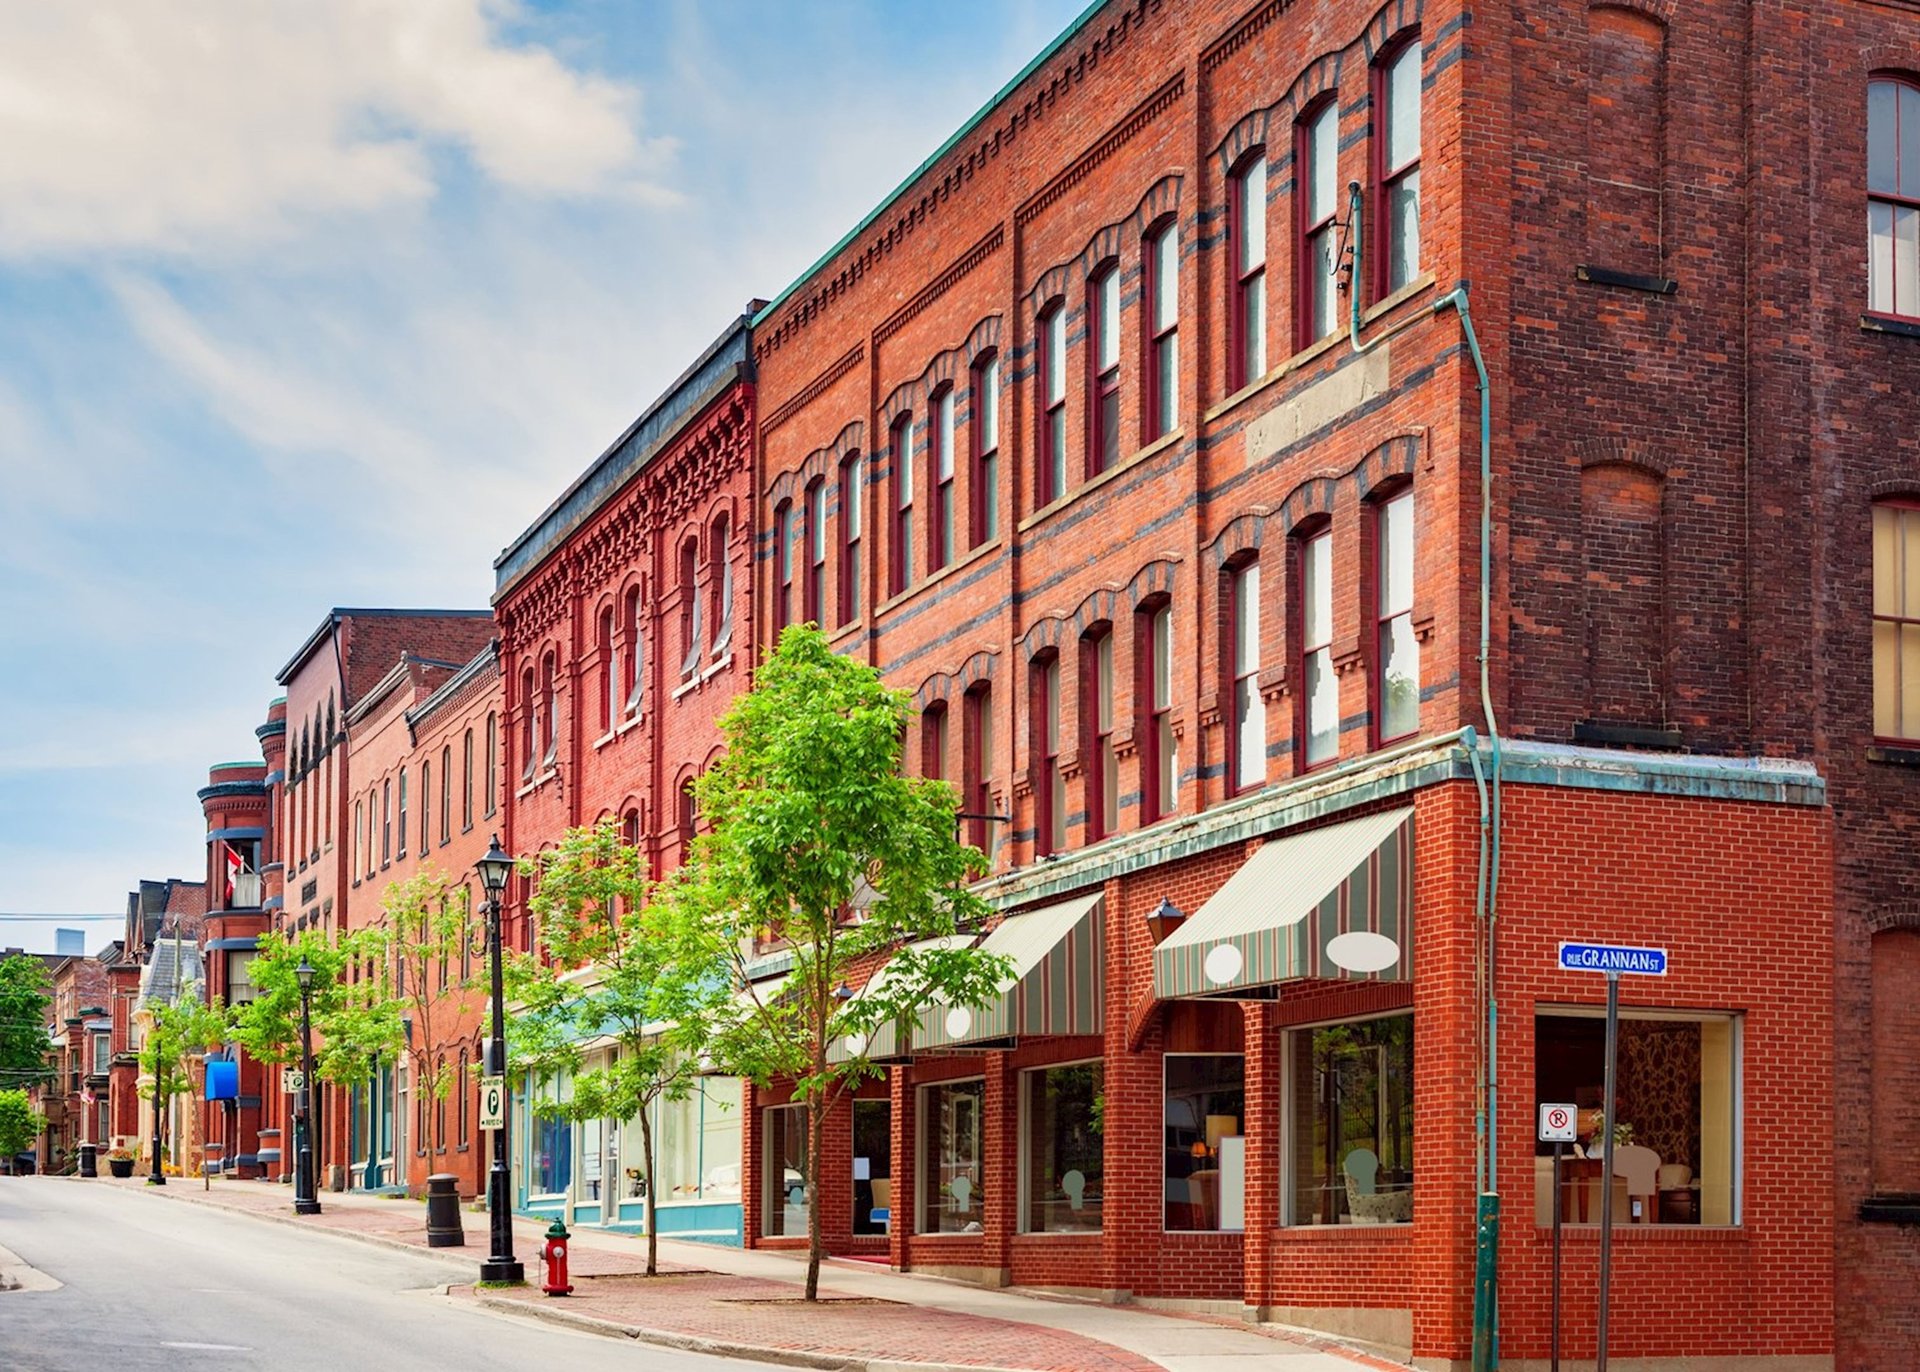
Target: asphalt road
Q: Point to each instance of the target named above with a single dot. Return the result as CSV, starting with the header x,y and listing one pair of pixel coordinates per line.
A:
x,y
152,1283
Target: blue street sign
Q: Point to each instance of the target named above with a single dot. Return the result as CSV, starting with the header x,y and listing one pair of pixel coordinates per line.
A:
x,y
1613,959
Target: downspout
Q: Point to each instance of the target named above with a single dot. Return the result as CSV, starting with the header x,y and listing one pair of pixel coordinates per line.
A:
x,y
1487,883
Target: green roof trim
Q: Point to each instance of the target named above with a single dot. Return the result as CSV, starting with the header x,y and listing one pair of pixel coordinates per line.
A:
x,y
979,117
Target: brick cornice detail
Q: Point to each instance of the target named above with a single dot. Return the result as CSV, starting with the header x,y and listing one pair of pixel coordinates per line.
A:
x,y
1081,167
814,389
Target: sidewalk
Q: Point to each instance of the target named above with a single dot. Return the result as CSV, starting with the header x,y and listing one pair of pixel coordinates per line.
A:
x,y
748,1303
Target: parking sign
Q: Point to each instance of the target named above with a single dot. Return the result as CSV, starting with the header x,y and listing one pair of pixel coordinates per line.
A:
x,y
1557,1123
493,1102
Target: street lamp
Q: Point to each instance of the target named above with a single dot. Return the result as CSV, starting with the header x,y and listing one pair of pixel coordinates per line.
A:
x,y
304,1200
501,1265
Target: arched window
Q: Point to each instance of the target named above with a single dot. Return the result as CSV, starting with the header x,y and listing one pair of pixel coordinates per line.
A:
x,y
690,616
1396,168
462,1084
386,822
401,817
529,732
1050,375
720,584
492,776
1893,197
1049,783
1247,250
1318,724
1160,274
940,438
1247,748
1317,194
1153,709
636,652
466,781
976,764
1103,368
983,480
549,711
609,647
852,498
783,566
446,793
359,838
1396,662
901,458
689,818
816,584
426,806
1096,723
933,741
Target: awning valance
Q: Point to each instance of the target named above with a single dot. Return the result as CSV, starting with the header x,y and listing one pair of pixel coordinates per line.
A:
x,y
887,1043
1056,986
1332,902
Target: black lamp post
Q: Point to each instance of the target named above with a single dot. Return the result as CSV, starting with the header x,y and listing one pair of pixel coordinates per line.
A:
x,y
305,1202
155,1177
501,1265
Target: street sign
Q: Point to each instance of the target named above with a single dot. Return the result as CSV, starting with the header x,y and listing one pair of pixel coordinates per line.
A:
x,y
1557,1123
493,1102
292,1079
1613,959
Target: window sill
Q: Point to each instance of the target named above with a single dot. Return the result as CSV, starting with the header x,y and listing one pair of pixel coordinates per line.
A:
x,y
687,687
1111,474
529,787
1890,323
1647,1233
1903,753
1337,1233
632,721
718,665
933,579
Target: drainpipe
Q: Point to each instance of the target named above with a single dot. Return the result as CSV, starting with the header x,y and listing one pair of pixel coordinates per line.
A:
x,y
1486,1340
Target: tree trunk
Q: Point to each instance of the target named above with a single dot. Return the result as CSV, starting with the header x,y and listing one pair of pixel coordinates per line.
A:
x,y
646,1172
816,1130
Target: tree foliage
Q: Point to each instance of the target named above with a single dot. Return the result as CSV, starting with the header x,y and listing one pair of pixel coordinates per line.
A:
x,y
427,920
811,817
618,965
176,1033
356,1017
20,1123
24,999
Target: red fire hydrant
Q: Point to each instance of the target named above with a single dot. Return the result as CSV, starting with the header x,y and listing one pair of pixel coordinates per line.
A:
x,y
554,1253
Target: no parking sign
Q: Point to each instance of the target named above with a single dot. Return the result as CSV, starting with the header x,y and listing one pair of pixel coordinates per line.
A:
x,y
1557,1123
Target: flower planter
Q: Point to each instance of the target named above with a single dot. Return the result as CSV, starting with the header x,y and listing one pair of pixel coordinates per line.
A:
x,y
120,1167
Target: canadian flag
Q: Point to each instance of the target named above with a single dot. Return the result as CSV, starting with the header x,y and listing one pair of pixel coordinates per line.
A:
x,y
234,866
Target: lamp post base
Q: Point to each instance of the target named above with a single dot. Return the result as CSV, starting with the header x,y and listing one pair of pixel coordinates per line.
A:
x,y
306,1207
503,1270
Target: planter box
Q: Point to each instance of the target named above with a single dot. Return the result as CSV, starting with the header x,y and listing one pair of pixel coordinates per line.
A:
x,y
120,1167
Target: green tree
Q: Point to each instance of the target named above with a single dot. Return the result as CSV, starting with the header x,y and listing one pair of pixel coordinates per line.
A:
x,y
426,920
23,1022
808,810
650,988
20,1124
176,1033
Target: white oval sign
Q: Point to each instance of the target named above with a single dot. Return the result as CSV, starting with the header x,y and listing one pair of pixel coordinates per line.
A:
x,y
1362,951
1223,963
958,1022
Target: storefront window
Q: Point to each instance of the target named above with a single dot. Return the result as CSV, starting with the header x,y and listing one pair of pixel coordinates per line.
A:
x,y
1675,1109
1350,1122
872,1166
952,1199
552,1169
1206,1154
786,1172
1062,1149
697,1143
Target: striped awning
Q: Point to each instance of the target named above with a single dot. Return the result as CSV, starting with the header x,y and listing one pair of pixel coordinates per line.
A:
x,y
1056,986
887,1043
1332,902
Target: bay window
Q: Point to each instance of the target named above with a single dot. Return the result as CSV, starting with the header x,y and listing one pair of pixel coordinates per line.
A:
x,y
1247,309
1317,156
952,1173
1397,651
1062,1148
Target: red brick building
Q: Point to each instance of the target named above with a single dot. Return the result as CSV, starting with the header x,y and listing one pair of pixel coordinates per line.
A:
x,y
1149,457
237,804
424,740
626,616
338,664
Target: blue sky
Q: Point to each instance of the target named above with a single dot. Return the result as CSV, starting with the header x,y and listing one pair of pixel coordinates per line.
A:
x,y
319,305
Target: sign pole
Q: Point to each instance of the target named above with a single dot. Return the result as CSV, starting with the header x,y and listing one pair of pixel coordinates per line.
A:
x,y
1606,1166
1558,1149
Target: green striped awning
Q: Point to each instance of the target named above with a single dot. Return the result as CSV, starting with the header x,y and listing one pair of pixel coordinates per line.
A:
x,y
1332,902
1055,988
888,1044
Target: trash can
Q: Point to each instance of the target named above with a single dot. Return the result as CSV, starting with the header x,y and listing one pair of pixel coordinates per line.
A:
x,y
443,1212
89,1163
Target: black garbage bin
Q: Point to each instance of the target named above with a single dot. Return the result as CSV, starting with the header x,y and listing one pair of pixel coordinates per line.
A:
x,y
443,1212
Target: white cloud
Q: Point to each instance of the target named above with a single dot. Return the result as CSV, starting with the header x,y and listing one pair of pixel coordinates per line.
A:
x,y
197,126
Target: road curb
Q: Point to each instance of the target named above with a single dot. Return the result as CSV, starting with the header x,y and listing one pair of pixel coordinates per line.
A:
x,y
721,1348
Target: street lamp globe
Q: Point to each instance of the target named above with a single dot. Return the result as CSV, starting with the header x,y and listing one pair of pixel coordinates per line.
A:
x,y
494,868
304,974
